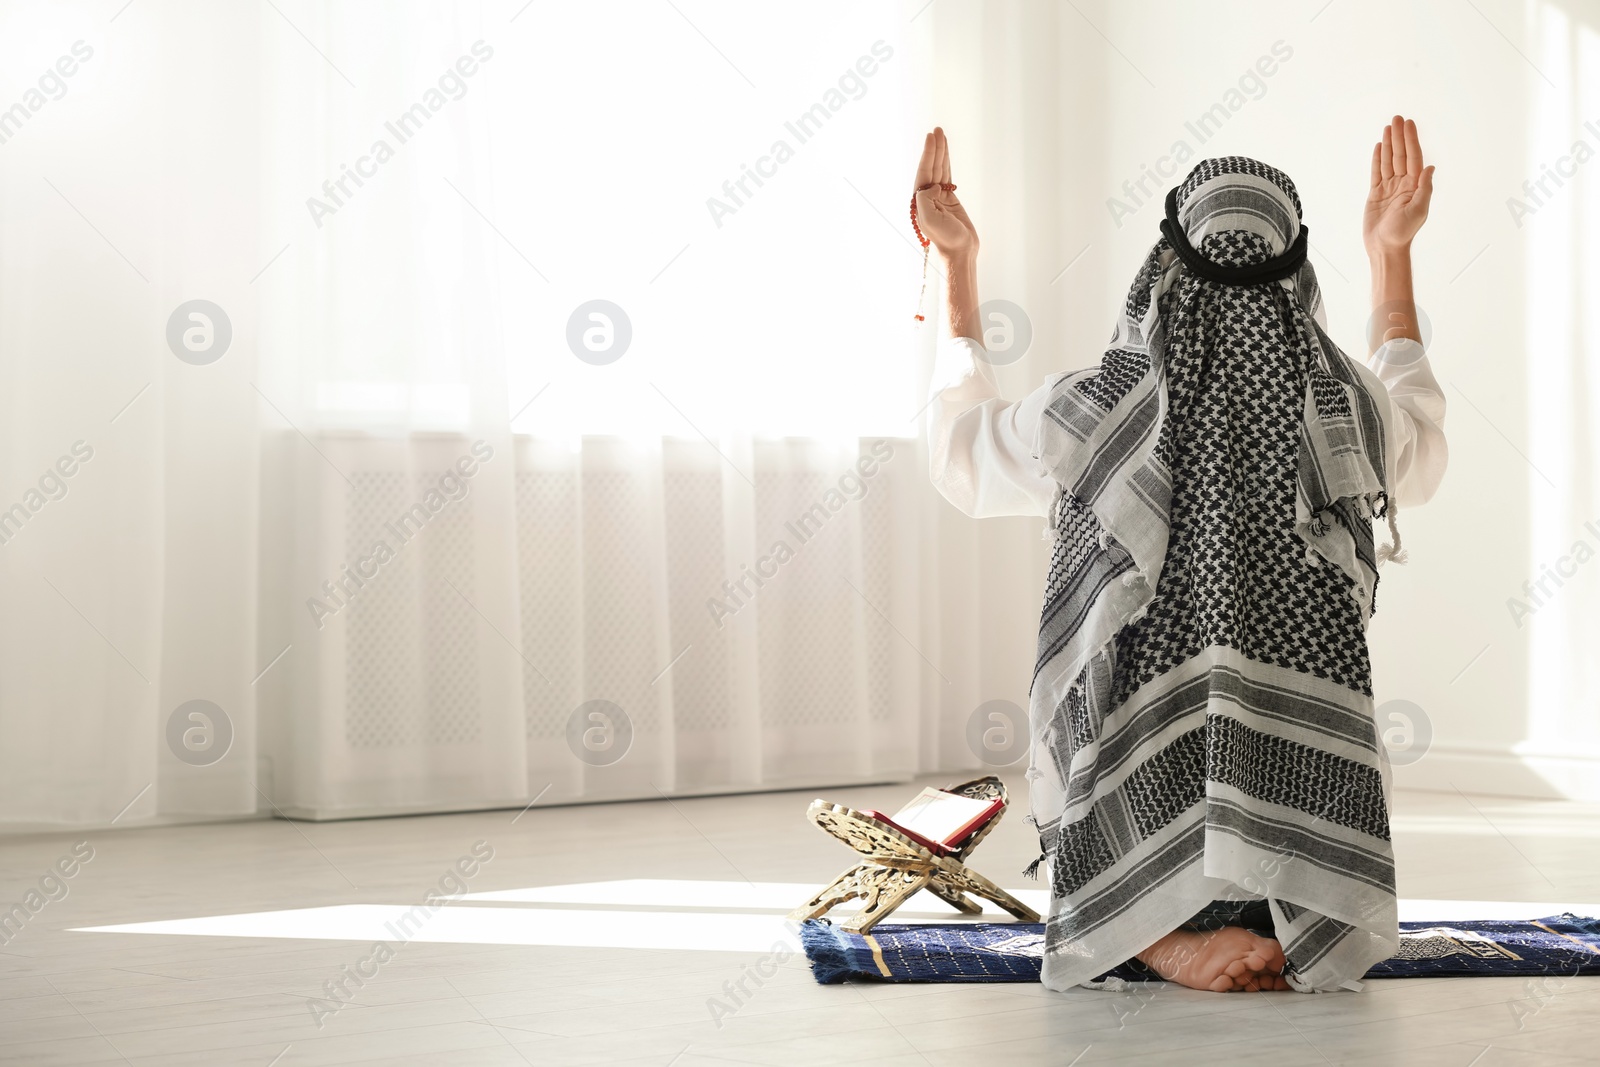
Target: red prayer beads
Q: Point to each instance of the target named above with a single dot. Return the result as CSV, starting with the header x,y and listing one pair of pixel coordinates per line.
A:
x,y
947,187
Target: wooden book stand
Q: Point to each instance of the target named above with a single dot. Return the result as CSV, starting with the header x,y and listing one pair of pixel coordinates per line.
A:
x,y
897,867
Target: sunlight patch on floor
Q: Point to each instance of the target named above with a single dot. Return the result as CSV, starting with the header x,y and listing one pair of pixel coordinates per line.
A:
x,y
651,913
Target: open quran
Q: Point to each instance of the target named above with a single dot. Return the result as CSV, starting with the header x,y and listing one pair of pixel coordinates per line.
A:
x,y
941,821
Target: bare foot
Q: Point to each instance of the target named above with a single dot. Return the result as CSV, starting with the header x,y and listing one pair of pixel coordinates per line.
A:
x,y
1223,961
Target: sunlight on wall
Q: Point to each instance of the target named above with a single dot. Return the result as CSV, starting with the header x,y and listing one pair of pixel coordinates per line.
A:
x,y
1562,351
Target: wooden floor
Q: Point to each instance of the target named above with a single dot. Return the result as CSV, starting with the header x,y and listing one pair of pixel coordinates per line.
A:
x,y
593,974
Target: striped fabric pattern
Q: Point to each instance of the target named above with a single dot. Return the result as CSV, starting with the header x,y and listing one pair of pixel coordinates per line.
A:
x,y
1201,711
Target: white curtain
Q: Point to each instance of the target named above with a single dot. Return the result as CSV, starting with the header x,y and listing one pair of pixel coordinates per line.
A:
x,y
412,538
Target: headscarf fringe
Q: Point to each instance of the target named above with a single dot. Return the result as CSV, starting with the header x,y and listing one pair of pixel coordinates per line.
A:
x,y
1393,551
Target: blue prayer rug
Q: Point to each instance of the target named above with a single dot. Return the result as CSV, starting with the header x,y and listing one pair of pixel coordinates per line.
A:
x,y
1566,944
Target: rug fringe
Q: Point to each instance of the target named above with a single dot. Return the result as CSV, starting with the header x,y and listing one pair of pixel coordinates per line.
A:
x,y
830,958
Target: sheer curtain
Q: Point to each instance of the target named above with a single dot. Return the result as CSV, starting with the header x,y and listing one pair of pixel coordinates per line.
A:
x,y
488,403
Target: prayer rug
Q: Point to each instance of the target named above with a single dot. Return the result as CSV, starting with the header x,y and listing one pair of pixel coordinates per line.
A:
x,y
1558,945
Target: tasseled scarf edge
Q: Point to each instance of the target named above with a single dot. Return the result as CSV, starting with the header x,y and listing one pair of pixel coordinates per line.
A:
x,y
1393,551
1379,506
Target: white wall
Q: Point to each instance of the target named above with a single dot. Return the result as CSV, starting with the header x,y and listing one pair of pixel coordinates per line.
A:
x,y
1051,108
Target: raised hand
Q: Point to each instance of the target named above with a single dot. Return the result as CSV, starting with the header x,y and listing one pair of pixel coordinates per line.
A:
x,y
1397,202
940,214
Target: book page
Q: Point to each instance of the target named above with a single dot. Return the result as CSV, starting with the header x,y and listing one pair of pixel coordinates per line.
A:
x,y
938,815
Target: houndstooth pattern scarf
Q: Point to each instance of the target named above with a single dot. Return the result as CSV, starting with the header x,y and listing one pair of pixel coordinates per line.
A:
x,y
1202,722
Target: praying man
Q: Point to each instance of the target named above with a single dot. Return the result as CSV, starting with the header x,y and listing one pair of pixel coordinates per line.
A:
x,y
1206,775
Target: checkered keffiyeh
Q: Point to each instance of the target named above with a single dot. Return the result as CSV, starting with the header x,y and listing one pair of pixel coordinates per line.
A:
x,y
1202,712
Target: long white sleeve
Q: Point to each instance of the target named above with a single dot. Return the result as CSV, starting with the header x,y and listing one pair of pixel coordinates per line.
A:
x,y
980,448
1418,454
